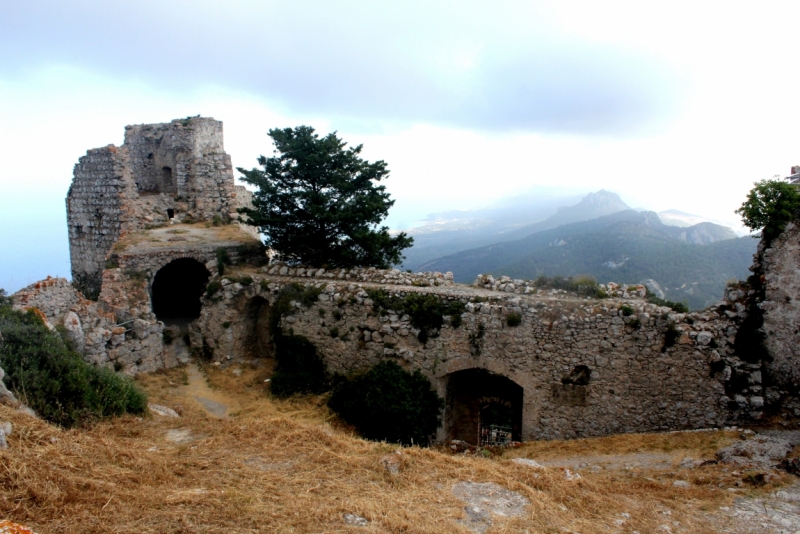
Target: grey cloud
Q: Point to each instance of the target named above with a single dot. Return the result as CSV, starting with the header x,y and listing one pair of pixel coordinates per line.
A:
x,y
361,60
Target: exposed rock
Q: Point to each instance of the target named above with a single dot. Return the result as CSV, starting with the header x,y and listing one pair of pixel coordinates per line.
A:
x,y
355,520
392,462
162,410
528,462
760,451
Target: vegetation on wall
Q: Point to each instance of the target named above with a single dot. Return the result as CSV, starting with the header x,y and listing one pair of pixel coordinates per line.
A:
x,y
388,403
47,375
425,310
299,367
769,206
317,203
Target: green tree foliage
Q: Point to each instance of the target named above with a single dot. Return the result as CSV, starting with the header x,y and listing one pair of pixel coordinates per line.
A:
x,y
388,403
317,202
769,206
55,381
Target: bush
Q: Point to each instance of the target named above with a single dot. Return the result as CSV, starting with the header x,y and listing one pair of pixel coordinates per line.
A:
x,y
769,206
299,369
212,288
388,403
679,307
627,311
513,319
55,381
222,260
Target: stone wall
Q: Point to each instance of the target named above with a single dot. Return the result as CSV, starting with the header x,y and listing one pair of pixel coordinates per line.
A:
x,y
96,211
639,380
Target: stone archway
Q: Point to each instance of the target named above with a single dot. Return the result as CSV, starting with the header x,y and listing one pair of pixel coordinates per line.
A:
x,y
257,338
177,290
482,407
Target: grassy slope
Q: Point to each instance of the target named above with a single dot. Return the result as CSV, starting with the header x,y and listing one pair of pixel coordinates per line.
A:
x,y
288,467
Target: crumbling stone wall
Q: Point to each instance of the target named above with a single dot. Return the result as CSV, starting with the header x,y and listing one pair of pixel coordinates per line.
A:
x,y
97,212
771,300
652,370
131,346
175,170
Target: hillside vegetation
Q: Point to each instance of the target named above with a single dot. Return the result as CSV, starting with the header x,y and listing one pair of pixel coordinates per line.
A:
x,y
690,264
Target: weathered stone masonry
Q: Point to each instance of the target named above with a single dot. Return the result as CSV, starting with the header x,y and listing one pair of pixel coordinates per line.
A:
x,y
637,384
178,170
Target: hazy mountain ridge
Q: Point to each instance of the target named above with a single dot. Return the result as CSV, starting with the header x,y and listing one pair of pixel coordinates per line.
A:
x,y
455,231
690,263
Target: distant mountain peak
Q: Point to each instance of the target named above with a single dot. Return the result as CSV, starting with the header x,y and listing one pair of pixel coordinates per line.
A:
x,y
602,202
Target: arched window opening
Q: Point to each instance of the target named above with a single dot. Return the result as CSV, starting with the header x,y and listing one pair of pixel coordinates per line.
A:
x,y
483,408
257,338
177,290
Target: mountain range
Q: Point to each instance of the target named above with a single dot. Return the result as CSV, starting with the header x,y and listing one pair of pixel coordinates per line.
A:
x,y
601,236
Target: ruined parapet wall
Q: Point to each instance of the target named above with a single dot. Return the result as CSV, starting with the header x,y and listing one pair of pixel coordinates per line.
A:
x,y
182,165
364,274
54,297
652,370
130,346
97,207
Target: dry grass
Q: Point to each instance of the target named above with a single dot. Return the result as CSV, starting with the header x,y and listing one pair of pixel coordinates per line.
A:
x,y
189,233
289,467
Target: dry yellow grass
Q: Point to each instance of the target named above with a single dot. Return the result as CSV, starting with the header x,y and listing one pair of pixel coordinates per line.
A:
x,y
288,466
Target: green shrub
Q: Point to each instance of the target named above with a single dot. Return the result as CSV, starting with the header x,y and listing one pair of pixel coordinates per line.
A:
x,y
55,381
222,260
513,319
212,288
455,320
337,315
627,311
264,285
246,281
299,368
388,403
217,220
679,307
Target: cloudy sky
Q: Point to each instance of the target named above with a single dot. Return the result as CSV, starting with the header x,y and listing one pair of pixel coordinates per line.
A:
x,y
680,106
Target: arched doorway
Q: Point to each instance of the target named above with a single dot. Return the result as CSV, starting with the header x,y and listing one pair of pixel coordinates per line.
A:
x,y
483,408
257,338
177,290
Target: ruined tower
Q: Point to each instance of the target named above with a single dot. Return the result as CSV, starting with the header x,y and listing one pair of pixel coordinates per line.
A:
x,y
177,170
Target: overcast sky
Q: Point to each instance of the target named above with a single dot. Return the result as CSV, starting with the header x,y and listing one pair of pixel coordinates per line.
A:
x,y
680,106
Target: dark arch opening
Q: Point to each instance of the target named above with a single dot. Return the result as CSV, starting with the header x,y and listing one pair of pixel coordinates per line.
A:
x,y
257,338
170,213
483,408
177,289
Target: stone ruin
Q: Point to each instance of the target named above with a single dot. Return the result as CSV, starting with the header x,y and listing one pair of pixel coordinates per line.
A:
x,y
153,224
177,171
